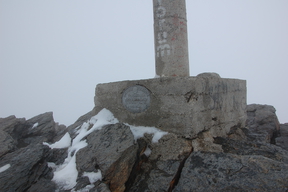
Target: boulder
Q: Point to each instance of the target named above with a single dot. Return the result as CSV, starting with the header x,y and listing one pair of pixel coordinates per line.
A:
x,y
159,164
7,143
26,167
251,158
209,171
8,124
250,148
72,129
38,129
262,123
282,140
111,149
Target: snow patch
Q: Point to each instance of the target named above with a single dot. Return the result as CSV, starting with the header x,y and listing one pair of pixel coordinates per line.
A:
x,y
147,152
65,175
35,125
157,76
4,168
139,131
93,177
85,189
64,142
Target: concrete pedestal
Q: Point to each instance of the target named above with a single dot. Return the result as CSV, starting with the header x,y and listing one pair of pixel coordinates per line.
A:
x,y
182,105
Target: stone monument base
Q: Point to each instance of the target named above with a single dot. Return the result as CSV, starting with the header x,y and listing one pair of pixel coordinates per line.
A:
x,y
185,106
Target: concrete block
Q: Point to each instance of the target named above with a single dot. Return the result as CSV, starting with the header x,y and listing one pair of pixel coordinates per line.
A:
x,y
185,106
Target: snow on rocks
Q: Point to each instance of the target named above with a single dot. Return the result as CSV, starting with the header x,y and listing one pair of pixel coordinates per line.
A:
x,y
66,174
93,177
64,142
35,125
139,132
4,168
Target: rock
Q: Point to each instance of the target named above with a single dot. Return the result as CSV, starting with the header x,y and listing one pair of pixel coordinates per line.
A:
x,y
282,140
84,118
102,188
7,143
205,142
159,170
57,156
251,158
248,148
262,123
38,129
27,167
8,124
111,149
41,129
43,185
209,171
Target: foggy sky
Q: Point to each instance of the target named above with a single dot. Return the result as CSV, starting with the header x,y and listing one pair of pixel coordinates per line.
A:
x,y
54,53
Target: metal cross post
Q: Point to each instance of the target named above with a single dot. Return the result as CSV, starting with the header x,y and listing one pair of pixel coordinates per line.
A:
x,y
170,36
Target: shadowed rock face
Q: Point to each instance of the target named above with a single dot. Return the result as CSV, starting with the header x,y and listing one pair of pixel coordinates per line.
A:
x,y
206,171
251,158
263,123
282,140
22,149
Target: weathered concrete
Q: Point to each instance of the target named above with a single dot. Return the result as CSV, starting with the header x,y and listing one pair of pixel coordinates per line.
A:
x,y
185,106
170,36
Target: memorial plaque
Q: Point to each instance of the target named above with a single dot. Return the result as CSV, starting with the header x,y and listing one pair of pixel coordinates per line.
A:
x,y
136,99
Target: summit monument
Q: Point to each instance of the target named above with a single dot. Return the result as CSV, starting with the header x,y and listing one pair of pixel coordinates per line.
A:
x,y
175,101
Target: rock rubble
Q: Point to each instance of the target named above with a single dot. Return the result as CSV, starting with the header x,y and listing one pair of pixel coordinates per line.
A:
x,y
251,158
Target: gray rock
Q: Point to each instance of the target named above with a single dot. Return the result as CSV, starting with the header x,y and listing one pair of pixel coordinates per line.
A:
x,y
208,171
102,187
38,129
248,148
158,171
44,131
43,185
28,166
282,140
113,150
57,156
7,143
9,123
84,118
262,123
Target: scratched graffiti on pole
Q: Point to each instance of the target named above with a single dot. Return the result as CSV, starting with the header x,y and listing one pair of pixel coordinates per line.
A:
x,y
164,47
170,37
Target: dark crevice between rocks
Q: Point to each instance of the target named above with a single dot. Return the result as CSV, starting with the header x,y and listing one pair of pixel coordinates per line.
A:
x,y
141,158
177,176
274,136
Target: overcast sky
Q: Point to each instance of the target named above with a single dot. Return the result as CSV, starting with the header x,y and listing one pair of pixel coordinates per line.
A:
x,y
54,52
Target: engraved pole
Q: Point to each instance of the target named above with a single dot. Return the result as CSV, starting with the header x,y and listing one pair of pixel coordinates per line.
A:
x,y
170,36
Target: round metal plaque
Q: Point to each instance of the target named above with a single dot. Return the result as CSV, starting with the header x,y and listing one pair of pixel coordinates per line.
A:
x,y
136,99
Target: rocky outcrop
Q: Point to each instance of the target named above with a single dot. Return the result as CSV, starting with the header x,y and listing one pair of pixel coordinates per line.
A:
x,y
27,167
117,158
112,150
282,140
23,157
208,171
263,123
